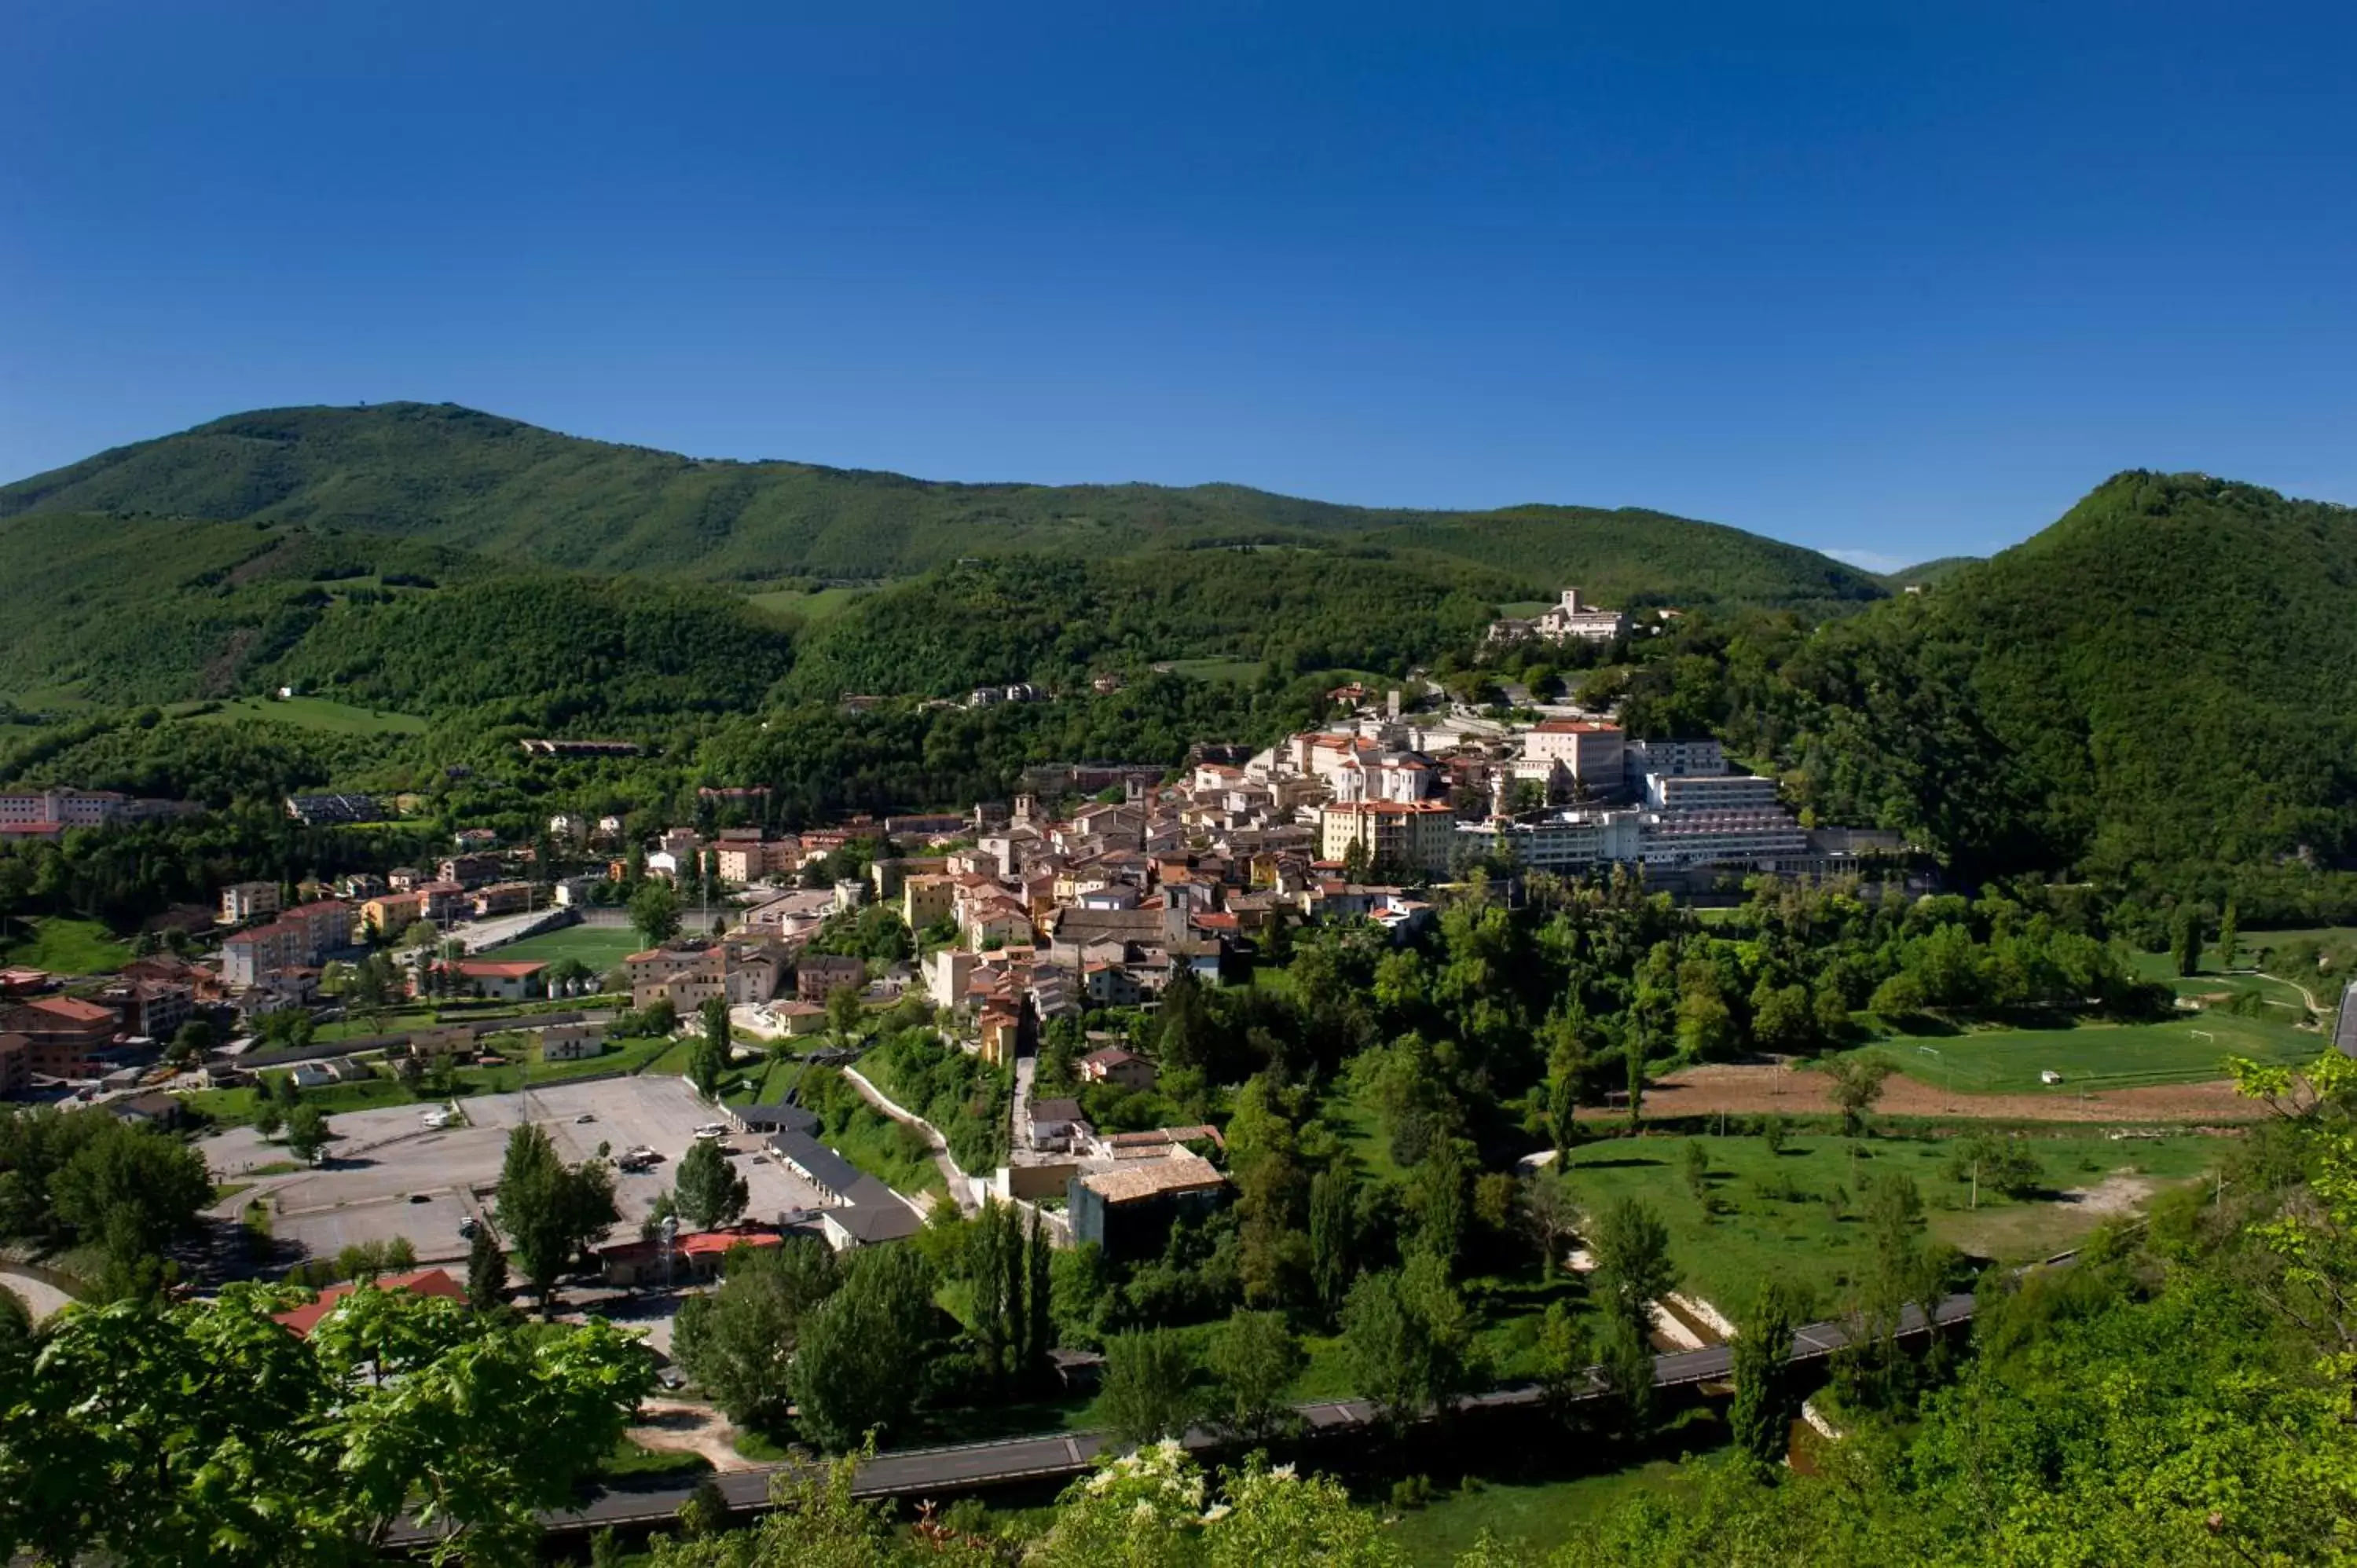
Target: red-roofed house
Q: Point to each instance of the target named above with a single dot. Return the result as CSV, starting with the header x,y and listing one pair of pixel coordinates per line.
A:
x,y
509,980
696,1256
301,1320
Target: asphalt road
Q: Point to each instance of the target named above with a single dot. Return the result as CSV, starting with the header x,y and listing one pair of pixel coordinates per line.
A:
x,y
925,1472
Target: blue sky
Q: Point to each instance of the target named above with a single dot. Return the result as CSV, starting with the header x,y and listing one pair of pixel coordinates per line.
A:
x,y
1890,279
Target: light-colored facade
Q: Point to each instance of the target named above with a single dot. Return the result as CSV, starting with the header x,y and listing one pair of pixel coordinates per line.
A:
x,y
925,899
244,901
1674,757
1593,753
1420,836
1567,621
1709,792
1567,841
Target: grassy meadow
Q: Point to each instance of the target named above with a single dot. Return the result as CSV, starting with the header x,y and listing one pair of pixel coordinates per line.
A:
x,y
2094,1055
62,946
1796,1214
313,713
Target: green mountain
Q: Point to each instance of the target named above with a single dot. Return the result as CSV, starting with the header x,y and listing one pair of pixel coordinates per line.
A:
x,y
2175,661
2165,678
1927,573
479,483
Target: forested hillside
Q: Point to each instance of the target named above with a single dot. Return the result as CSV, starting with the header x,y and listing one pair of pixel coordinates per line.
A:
x,y
483,483
146,609
2165,679
1924,573
1029,618
2177,661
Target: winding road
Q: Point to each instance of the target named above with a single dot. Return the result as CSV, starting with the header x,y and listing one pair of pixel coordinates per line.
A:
x,y
961,1186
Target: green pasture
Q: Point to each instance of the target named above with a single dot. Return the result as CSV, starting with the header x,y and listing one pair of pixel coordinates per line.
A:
x,y
1797,1214
810,608
62,946
2094,1055
314,712
1541,1513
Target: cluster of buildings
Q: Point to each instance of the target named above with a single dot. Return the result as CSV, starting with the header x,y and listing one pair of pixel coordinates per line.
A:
x,y
1416,797
49,813
1567,620
107,1033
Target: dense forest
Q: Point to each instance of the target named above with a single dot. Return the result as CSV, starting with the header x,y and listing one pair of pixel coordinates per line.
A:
x,y
2164,679
1057,621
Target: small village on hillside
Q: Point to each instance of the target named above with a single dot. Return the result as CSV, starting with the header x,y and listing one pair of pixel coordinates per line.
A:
x,y
1012,922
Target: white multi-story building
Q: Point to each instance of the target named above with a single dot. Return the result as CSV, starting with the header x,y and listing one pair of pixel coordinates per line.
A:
x,y
1578,839
1721,838
1564,840
244,901
1710,792
1674,759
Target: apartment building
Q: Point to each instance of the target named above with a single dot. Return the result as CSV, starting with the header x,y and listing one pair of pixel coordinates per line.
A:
x,y
1710,792
1418,835
244,901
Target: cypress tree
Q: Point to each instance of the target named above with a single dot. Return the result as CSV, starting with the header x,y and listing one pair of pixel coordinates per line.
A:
x,y
1039,1299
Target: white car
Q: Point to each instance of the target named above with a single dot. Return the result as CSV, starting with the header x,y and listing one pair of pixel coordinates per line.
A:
x,y
711,1130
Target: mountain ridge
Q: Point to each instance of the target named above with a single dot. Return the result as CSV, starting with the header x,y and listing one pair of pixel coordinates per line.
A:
x,y
500,487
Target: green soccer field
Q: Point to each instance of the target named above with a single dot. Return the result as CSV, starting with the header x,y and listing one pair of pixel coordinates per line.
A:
x,y
599,947
2096,1056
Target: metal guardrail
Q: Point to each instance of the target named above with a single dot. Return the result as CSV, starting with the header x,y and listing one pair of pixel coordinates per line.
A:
x,y
922,1472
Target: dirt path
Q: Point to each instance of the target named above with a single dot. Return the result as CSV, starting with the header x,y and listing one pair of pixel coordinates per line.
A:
x,y
1750,1090
2116,1194
961,1188
674,1427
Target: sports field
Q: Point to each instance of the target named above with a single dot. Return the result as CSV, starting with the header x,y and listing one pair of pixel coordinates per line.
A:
x,y
599,947
2095,1056
315,712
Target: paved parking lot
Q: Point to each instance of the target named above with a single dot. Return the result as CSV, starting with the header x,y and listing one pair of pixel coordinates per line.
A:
x,y
383,1161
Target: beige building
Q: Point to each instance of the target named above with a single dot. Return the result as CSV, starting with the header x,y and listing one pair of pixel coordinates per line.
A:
x,y
1417,835
244,901
1591,751
745,861
924,899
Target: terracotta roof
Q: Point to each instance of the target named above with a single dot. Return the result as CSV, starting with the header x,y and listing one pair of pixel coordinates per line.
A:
x,y
706,1243
72,1007
507,969
1575,726
1181,1173
424,1281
